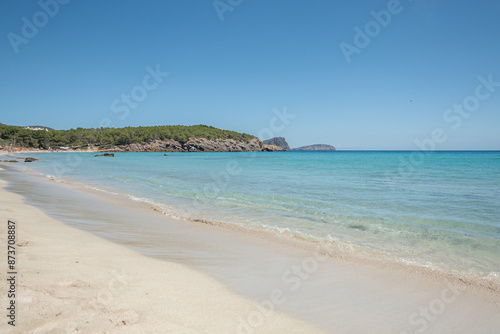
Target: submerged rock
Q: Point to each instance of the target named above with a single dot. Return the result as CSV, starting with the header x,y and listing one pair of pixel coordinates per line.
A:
x,y
30,159
105,155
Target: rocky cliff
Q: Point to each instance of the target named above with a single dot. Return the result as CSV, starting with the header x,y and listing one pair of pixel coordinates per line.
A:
x,y
197,145
277,141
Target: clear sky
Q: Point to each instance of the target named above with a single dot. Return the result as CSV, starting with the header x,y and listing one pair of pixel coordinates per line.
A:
x,y
236,64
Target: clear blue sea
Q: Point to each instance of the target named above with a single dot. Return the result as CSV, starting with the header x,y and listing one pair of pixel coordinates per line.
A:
x,y
439,209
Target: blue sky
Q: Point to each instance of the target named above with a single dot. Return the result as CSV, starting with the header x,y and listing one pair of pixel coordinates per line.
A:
x,y
264,57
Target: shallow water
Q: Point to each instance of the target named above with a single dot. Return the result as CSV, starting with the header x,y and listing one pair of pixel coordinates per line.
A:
x,y
439,209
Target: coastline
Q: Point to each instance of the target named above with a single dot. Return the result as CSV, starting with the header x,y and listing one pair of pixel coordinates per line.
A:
x,y
193,144
338,294
488,280
72,280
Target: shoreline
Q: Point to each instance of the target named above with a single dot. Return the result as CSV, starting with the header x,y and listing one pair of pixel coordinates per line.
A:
x,y
63,284
488,281
357,289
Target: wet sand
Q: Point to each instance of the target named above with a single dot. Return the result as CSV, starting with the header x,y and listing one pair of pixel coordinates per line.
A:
x,y
71,281
244,281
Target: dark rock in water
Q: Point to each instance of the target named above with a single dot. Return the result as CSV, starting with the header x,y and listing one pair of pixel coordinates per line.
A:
x,y
30,159
8,160
277,141
105,155
358,227
165,155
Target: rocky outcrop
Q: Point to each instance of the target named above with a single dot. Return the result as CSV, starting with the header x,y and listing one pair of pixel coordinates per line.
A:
x,y
105,155
222,145
30,159
316,147
156,146
272,148
277,141
198,145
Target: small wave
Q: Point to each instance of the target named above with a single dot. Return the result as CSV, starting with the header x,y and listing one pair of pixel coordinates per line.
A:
x,y
102,190
159,207
493,276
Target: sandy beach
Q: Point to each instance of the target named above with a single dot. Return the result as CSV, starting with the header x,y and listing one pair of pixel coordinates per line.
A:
x,y
199,278
70,281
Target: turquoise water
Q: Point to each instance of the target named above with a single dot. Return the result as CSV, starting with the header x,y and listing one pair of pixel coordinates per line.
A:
x,y
439,209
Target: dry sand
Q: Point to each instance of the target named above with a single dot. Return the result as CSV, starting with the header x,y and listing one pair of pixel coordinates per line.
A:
x,y
70,281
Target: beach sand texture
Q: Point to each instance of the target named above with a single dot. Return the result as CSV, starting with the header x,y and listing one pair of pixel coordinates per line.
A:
x,y
70,281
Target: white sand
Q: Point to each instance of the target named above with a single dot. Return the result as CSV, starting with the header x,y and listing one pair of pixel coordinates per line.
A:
x,y
70,281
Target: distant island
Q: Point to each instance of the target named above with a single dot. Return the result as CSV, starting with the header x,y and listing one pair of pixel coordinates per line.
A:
x,y
281,142
316,147
168,138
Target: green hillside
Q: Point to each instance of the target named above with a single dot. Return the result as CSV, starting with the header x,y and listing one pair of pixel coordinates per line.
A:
x,y
17,136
